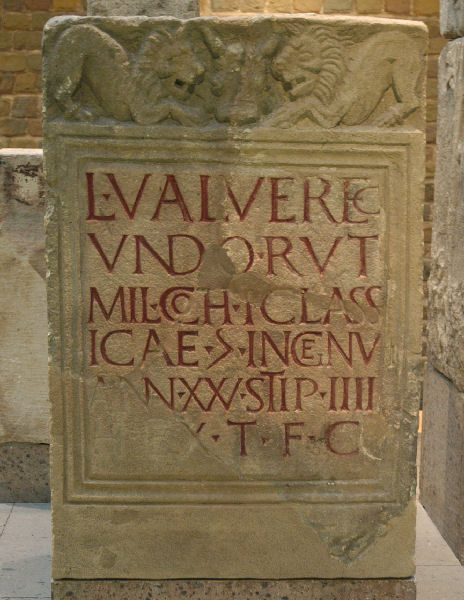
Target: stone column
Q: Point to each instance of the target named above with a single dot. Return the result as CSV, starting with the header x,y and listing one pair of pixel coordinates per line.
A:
x,y
234,243
24,408
442,480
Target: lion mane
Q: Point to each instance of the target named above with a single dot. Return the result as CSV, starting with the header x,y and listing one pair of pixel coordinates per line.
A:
x,y
154,61
319,52
146,66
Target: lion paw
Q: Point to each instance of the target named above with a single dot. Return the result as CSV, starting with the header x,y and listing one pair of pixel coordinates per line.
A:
x,y
278,119
80,113
390,118
189,116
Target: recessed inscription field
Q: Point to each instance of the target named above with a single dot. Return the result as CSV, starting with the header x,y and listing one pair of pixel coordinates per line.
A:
x,y
237,313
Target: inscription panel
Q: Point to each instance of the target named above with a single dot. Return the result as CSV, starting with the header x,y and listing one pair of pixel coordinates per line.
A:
x,y
231,322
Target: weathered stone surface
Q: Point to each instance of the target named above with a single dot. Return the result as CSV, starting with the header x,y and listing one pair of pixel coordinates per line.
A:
x,y
442,458
370,589
446,282
24,472
24,405
442,483
207,77
451,18
183,9
234,243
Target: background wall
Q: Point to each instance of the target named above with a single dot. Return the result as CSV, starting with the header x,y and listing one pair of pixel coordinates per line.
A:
x,y
21,24
22,21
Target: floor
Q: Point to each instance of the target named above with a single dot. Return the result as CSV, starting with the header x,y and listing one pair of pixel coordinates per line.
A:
x,y
25,556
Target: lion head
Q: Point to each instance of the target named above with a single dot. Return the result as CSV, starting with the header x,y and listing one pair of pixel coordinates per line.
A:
x,y
168,65
310,64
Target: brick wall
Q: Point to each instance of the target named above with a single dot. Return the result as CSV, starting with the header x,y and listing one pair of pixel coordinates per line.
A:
x,y
21,24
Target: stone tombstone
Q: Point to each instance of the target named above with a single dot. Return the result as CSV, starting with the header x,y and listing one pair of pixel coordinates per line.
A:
x,y
23,313
446,282
441,482
452,18
24,406
234,246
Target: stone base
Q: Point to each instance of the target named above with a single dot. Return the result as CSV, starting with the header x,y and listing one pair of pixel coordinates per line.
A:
x,y
24,472
236,589
441,480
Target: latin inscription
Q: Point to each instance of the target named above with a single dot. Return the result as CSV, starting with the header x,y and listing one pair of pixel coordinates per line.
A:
x,y
245,307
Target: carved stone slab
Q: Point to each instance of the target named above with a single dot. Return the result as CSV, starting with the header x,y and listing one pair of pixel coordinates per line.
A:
x,y
234,245
24,406
442,490
446,283
451,18
273,72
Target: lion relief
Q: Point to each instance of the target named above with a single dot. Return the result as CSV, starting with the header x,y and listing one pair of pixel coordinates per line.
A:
x,y
334,81
194,76
93,76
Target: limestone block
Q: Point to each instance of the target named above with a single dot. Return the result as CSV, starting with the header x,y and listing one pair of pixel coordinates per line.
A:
x,y
183,9
446,283
442,458
235,253
24,409
451,18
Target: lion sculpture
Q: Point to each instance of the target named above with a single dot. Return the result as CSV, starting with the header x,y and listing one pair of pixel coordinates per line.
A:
x,y
93,77
334,81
